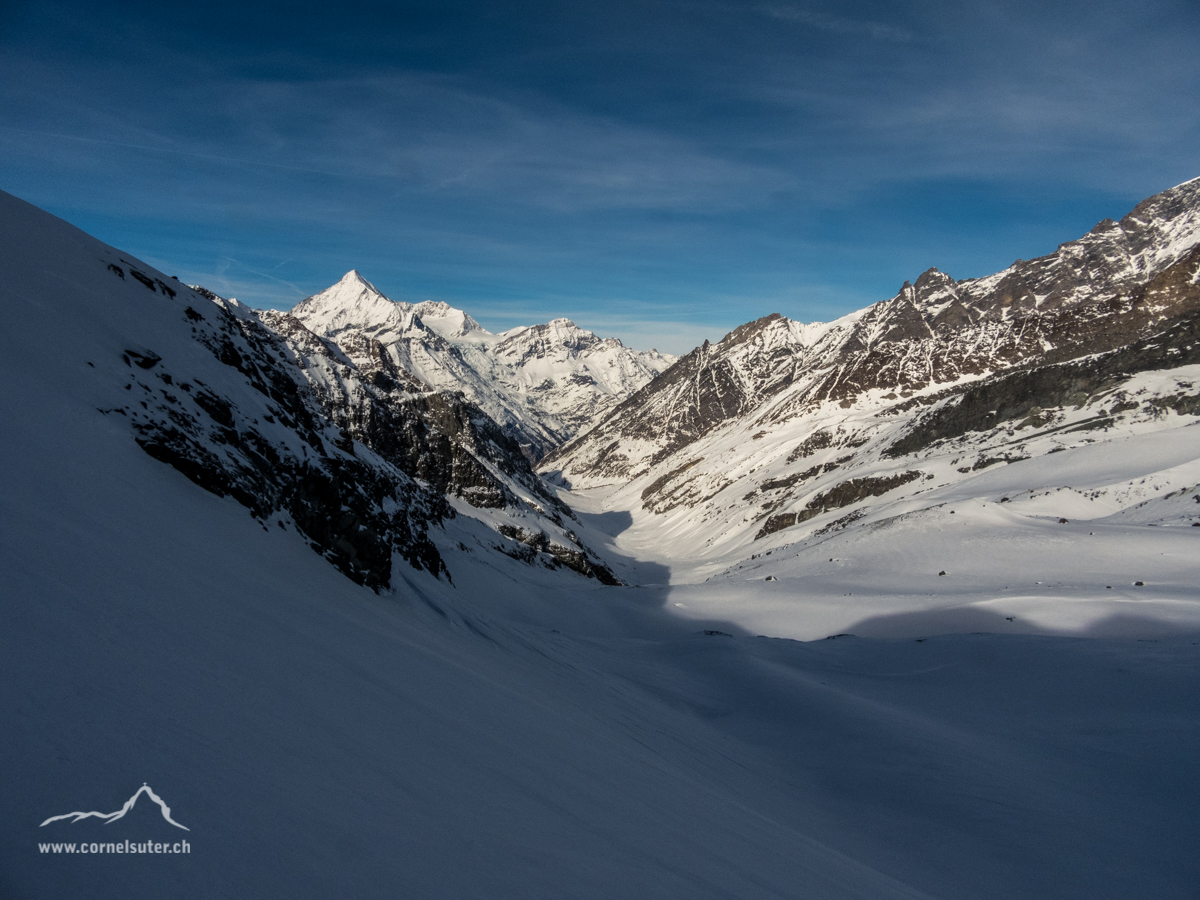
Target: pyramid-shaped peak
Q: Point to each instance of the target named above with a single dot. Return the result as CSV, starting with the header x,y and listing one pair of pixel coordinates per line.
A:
x,y
352,303
352,288
354,278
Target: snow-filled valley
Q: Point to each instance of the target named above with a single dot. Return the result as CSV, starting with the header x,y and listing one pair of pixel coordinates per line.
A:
x,y
492,720
1062,532
988,553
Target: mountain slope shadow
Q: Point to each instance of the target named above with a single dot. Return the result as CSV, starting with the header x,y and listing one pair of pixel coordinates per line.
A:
x,y
602,530
612,522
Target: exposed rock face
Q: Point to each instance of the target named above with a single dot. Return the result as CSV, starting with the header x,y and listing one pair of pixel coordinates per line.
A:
x,y
783,433
435,437
1027,393
844,494
365,463
259,436
541,384
710,385
1122,282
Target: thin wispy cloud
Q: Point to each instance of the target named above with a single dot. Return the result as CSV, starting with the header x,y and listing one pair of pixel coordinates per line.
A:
x,y
433,136
877,31
158,148
427,134
802,157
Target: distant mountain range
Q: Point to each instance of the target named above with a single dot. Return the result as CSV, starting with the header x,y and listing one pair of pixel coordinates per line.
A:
x,y
365,465
368,425
1119,283
541,384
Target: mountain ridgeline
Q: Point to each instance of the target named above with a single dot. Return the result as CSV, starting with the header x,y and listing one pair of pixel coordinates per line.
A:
x,y
1122,282
784,430
370,466
541,384
383,431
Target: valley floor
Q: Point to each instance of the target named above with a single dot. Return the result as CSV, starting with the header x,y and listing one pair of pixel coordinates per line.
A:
x,y
528,733
1094,540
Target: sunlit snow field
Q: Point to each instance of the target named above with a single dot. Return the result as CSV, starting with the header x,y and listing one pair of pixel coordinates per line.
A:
x,y
1010,562
529,733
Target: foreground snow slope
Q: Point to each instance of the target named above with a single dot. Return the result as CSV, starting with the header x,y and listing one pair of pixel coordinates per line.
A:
x,y
358,463
321,741
527,733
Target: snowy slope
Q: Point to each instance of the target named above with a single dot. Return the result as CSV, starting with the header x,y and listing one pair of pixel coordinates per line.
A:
x,y
320,740
542,384
1042,524
364,467
525,732
1053,541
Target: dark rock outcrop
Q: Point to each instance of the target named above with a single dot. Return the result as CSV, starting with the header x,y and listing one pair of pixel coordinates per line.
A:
x,y
359,461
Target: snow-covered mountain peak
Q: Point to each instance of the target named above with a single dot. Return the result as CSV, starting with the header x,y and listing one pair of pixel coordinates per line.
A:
x,y
452,324
354,277
1152,237
356,304
541,383
366,466
556,335
777,335
564,325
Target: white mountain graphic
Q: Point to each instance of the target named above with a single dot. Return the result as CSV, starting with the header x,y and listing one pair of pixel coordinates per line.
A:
x,y
113,816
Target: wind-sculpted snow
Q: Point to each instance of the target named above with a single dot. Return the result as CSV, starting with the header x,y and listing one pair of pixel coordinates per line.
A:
x,y
542,384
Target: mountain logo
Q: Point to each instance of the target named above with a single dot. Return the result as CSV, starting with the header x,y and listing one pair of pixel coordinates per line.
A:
x,y
113,816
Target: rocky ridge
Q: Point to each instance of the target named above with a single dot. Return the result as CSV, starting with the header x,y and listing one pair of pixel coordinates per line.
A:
x,y
783,431
1121,282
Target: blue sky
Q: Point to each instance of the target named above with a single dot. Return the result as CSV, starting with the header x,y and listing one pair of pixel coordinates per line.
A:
x,y
662,171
